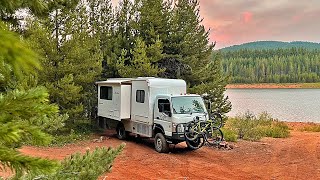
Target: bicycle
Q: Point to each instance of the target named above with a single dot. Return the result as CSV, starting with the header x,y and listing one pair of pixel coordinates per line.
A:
x,y
209,129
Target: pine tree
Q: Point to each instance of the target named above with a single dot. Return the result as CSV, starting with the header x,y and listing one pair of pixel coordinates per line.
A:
x,y
57,12
83,59
21,109
185,40
121,37
272,65
152,22
102,22
188,37
73,66
212,86
140,64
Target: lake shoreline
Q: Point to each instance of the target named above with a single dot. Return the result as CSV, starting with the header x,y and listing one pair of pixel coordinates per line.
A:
x,y
275,86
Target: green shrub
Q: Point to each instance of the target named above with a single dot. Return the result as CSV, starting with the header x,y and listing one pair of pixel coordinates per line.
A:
x,y
67,138
80,130
254,134
229,135
277,130
312,128
253,128
88,166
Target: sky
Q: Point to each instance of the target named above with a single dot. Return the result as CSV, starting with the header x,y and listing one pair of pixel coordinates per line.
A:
x,y
234,22
240,21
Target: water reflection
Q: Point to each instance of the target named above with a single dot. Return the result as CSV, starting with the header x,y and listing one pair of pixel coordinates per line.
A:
x,y
284,104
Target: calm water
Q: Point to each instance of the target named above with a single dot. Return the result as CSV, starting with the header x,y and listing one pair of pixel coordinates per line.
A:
x,y
284,104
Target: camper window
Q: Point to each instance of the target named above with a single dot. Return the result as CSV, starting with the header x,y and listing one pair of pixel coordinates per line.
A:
x,y
106,92
140,96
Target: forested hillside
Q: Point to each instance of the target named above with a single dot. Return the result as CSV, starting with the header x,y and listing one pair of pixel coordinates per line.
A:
x,y
293,65
273,45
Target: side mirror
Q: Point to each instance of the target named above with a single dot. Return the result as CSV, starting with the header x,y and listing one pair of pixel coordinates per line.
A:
x,y
209,106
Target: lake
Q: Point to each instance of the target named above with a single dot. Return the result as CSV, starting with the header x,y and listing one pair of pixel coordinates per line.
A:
x,y
284,104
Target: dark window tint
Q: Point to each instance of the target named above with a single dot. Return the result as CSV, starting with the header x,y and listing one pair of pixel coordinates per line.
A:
x,y
164,105
140,94
106,92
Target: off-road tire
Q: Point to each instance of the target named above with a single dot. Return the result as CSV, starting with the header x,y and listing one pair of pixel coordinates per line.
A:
x,y
121,132
160,143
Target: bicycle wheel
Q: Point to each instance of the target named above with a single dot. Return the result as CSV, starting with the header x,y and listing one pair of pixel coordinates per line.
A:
x,y
214,136
196,144
191,131
217,119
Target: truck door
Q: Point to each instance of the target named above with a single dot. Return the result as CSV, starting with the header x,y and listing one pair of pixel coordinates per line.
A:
x,y
163,114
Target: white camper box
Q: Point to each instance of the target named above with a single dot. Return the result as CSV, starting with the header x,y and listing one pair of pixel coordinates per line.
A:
x,y
132,100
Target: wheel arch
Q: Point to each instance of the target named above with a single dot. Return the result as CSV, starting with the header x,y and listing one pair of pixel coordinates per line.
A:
x,y
119,124
157,128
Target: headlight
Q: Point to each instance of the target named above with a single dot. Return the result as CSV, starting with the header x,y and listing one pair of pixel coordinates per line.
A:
x,y
179,128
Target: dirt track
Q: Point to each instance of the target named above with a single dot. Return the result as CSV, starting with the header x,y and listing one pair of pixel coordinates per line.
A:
x,y
297,157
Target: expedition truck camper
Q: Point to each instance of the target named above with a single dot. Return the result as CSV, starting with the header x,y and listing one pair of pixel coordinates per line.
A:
x,y
149,107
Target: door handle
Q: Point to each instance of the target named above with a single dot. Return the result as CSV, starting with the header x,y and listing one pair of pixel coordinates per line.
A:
x,y
157,118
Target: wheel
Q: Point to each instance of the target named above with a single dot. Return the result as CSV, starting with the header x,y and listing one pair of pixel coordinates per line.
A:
x,y
121,132
190,131
160,143
214,136
217,119
196,144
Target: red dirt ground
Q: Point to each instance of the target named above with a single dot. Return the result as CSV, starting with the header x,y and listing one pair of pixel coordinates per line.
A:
x,y
296,157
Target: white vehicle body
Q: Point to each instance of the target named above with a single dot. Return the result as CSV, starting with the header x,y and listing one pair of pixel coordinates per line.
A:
x,y
146,105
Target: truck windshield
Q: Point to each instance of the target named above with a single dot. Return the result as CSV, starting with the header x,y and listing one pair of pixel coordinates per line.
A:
x,y
187,105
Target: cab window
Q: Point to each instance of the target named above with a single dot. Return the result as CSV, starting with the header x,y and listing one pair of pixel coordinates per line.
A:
x,y
164,106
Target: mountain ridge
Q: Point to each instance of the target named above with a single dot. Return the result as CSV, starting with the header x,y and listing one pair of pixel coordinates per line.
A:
x,y
256,45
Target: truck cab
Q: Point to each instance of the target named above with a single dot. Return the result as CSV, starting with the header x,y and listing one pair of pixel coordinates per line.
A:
x,y
171,112
149,107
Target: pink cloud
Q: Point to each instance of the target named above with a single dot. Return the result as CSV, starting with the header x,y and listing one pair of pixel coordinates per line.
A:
x,y
246,17
296,18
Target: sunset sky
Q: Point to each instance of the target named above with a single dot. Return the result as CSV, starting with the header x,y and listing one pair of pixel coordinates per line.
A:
x,y
239,21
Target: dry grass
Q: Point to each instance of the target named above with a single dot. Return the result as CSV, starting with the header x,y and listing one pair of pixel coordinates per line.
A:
x,y
311,127
251,127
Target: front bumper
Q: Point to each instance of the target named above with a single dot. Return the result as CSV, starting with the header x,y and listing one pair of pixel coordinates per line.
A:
x,y
178,132
178,136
